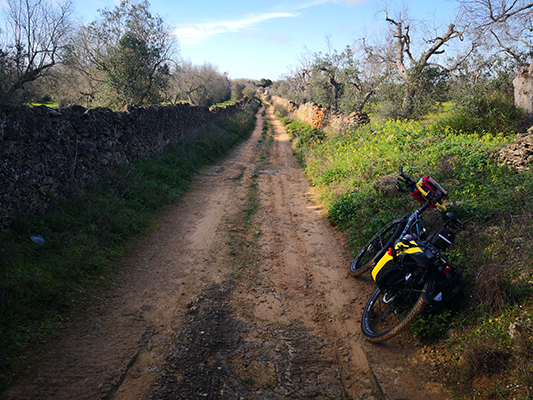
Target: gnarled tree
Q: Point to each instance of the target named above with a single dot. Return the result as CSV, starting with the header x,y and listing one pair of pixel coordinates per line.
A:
x,y
416,73
510,24
200,85
347,81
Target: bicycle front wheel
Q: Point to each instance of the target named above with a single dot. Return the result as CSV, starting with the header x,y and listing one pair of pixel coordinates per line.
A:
x,y
369,255
386,314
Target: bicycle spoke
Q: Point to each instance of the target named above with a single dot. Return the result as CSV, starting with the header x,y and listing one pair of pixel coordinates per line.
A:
x,y
384,316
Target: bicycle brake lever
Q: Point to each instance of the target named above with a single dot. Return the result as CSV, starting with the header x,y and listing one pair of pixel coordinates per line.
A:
x,y
399,187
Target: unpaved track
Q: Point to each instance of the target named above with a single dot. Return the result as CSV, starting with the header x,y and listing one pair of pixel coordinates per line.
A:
x,y
241,292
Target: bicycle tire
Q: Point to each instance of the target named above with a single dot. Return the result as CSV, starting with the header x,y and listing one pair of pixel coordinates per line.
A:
x,y
376,247
383,324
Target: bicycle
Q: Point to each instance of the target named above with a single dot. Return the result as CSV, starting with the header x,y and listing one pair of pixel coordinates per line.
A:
x,y
369,254
410,270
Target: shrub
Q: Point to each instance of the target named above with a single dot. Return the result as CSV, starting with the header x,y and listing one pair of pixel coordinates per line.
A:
x,y
431,326
493,112
487,357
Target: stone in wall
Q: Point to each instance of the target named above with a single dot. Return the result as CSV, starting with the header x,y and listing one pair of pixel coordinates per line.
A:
x,y
340,122
320,117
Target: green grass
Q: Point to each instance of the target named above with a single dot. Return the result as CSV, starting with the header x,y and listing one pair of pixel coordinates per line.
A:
x,y
51,104
444,110
226,103
41,284
346,165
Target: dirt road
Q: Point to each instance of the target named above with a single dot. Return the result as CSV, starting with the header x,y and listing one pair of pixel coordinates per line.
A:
x,y
241,292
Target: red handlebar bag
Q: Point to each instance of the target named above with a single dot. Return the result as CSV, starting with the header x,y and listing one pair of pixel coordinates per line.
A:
x,y
427,187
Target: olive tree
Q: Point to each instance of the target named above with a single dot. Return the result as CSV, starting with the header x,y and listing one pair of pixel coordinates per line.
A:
x,y
509,23
339,80
349,78
201,85
328,71
125,56
419,58
296,85
417,73
134,73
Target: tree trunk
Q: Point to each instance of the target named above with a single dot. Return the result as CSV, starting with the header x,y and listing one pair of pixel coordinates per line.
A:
x,y
523,90
189,96
336,90
360,106
407,104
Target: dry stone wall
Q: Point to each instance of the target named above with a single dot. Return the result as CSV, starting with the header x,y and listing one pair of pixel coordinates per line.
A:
x,y
520,153
47,154
281,104
320,117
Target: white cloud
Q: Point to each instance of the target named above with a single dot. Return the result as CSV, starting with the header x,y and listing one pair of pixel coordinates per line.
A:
x,y
308,4
313,3
192,34
353,2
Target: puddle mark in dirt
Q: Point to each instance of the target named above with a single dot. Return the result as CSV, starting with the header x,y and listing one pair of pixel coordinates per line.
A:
x,y
214,357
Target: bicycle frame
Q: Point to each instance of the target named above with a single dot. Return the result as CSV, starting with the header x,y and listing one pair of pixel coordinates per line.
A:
x,y
410,224
427,281
383,240
415,221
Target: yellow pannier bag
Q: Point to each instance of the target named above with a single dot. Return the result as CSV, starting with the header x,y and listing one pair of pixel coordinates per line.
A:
x,y
397,262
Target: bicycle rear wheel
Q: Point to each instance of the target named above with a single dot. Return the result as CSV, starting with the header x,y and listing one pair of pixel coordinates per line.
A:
x,y
376,247
386,314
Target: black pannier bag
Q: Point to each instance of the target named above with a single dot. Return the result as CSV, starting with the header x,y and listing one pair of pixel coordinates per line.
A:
x,y
397,262
441,238
444,237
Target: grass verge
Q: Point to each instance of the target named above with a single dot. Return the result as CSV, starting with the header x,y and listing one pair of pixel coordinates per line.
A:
x,y
79,242
481,359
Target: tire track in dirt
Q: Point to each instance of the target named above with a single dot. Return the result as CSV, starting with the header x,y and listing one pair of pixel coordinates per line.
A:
x,y
312,269
241,292
285,261
395,365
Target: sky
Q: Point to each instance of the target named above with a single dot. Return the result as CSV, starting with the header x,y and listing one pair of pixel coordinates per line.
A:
x,y
266,39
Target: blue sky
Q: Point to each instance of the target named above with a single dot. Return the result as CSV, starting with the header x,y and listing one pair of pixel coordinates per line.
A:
x,y
254,40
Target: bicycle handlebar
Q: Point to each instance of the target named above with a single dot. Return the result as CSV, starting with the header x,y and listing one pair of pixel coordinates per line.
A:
x,y
406,180
412,186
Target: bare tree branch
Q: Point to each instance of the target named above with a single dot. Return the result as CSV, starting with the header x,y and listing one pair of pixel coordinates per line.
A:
x,y
508,22
36,35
